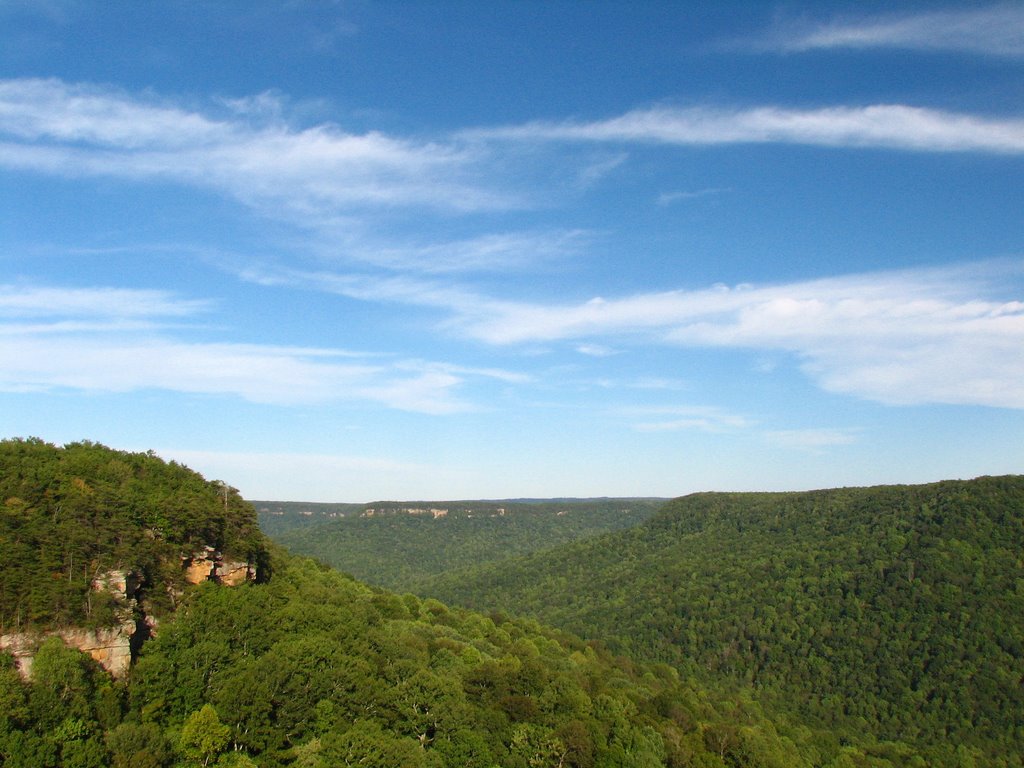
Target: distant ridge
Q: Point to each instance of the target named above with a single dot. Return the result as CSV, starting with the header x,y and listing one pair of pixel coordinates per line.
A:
x,y
397,544
302,667
892,610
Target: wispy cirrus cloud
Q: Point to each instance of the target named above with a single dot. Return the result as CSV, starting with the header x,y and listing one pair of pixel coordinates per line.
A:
x,y
314,173
334,184
123,303
717,420
940,335
901,337
668,198
596,350
997,30
889,126
118,340
489,252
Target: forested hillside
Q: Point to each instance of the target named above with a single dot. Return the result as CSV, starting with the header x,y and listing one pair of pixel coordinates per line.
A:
x,y
277,517
894,613
71,514
310,668
398,544
315,669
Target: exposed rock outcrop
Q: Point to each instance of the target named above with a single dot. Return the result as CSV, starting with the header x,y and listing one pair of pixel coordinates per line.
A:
x,y
115,647
111,647
22,647
200,566
231,573
207,564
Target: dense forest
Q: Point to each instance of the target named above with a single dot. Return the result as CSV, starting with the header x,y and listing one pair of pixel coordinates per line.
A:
x,y
71,514
308,667
894,613
315,669
398,544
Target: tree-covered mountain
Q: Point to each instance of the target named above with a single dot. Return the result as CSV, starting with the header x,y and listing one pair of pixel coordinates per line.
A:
x,y
314,669
72,514
889,613
398,544
307,667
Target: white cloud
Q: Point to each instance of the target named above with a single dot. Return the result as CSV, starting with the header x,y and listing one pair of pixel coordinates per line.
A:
x,y
497,251
596,350
398,288
338,184
35,301
893,126
902,337
513,323
117,340
668,198
993,31
311,173
258,373
907,337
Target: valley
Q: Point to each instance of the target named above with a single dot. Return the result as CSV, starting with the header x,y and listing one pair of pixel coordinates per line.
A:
x,y
876,627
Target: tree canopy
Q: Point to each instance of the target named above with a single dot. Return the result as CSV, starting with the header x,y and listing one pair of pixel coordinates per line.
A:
x,y
889,614
399,544
312,668
70,514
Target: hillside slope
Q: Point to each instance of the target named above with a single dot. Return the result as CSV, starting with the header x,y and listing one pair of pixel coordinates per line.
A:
x,y
896,612
307,668
397,544
73,517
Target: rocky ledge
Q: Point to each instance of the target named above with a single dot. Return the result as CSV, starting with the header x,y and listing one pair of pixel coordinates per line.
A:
x,y
115,647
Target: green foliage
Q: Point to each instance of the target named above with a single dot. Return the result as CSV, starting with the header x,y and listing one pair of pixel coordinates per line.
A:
x,y
69,515
65,685
56,719
314,669
204,736
879,628
397,549
311,669
134,745
367,744
892,614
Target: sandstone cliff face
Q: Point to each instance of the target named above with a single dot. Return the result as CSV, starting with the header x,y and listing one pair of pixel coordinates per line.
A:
x,y
115,647
231,573
200,566
208,564
111,647
23,648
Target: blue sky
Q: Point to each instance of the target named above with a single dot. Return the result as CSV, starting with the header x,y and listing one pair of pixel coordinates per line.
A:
x,y
342,251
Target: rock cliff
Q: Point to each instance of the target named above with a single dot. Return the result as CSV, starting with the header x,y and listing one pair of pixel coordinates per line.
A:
x,y
115,647
207,564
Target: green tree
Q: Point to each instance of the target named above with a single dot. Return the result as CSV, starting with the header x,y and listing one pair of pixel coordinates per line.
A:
x,y
204,736
366,745
63,683
134,745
